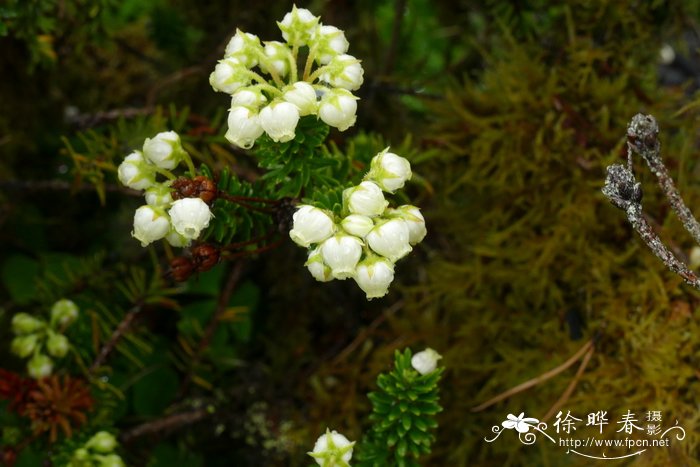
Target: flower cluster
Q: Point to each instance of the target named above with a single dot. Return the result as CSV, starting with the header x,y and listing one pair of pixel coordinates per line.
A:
x,y
274,105
97,451
332,450
33,334
177,221
370,237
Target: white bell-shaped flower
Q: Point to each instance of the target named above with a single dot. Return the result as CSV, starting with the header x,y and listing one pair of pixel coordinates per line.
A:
x,y
357,225
229,75
279,120
426,361
277,58
164,150
337,109
365,199
24,346
414,219
318,269
245,47
390,239
248,97
341,253
303,95
311,225
159,196
332,450
343,71
135,172
389,171
150,224
39,366
374,274
57,345
298,26
64,312
328,42
243,127
24,323
189,216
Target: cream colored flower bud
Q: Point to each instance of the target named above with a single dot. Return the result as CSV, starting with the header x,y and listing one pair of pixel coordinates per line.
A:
x,y
64,312
245,47
229,75
389,171
57,345
414,219
135,172
337,109
243,127
390,239
164,150
311,225
39,366
374,275
150,224
426,361
341,253
298,26
332,450
328,42
303,96
365,199
279,120
344,71
24,323
189,216
357,225
159,196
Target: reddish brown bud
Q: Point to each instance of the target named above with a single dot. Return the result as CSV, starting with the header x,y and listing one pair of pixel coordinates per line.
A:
x,y
205,256
181,268
206,188
197,187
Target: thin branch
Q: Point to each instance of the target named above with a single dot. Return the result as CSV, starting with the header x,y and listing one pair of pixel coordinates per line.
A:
x,y
168,423
570,388
118,333
233,277
642,138
624,191
537,380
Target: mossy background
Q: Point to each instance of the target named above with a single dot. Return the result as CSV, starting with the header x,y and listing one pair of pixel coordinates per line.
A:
x,y
509,113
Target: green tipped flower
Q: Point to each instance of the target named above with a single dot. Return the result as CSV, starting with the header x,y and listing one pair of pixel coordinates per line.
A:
x,y
103,442
298,26
64,312
164,150
23,346
23,323
332,450
39,366
57,345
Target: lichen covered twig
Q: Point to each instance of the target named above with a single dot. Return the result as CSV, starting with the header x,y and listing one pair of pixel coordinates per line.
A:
x,y
624,191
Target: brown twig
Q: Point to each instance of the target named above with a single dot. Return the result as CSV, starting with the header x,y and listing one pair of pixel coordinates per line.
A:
x,y
624,191
118,333
570,388
168,423
537,380
233,277
642,138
